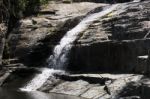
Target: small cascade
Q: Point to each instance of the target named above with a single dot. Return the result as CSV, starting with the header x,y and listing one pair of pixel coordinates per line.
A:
x,y
59,58
39,79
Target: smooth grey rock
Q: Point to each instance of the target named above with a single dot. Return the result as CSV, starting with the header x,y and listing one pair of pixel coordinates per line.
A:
x,y
118,85
72,88
114,42
96,91
85,89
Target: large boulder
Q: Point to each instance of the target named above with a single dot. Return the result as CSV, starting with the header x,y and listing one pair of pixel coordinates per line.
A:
x,y
32,41
114,42
94,86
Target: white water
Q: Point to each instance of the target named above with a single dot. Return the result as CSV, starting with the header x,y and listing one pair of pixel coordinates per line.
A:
x,y
59,58
39,79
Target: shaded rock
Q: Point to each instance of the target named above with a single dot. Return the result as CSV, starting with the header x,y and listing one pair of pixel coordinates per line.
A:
x,y
117,86
92,80
114,42
3,30
67,1
142,64
132,89
145,88
136,90
4,77
109,56
33,40
19,77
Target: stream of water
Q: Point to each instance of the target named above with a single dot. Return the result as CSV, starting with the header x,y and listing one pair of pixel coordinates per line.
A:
x,y
39,79
58,60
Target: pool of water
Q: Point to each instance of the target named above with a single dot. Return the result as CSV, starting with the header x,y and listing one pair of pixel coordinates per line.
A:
x,y
13,94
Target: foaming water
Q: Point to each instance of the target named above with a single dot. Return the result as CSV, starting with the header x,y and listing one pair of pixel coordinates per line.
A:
x,y
59,58
39,79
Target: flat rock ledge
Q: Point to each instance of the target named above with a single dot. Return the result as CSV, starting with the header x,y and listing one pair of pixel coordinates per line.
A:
x,y
99,86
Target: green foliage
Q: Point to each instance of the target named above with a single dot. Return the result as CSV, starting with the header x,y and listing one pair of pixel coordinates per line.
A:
x,y
19,8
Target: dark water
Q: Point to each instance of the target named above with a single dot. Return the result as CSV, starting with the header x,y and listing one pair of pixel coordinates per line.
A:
x,y
11,94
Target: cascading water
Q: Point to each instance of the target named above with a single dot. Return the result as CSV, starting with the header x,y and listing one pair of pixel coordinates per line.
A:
x,y
59,58
39,79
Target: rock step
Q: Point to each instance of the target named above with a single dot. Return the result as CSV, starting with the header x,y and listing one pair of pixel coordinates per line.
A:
x,y
84,88
14,65
10,61
143,57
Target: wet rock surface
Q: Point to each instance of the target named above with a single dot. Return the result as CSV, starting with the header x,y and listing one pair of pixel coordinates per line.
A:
x,y
115,86
34,38
18,77
115,41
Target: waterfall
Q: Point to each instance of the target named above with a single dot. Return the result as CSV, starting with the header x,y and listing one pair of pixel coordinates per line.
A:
x,y
39,79
59,58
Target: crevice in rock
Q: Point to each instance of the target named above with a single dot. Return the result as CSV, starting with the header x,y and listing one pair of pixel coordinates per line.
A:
x,y
91,80
103,1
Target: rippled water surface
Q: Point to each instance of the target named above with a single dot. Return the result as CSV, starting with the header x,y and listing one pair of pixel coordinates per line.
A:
x,y
11,94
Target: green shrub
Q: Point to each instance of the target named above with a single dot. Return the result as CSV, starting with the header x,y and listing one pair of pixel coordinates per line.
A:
x,y
19,8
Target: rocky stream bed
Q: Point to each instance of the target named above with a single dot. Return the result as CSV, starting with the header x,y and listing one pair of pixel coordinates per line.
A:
x,y
109,60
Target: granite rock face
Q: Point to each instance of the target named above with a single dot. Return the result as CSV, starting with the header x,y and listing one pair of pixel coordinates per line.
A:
x,y
114,42
32,41
118,42
90,86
